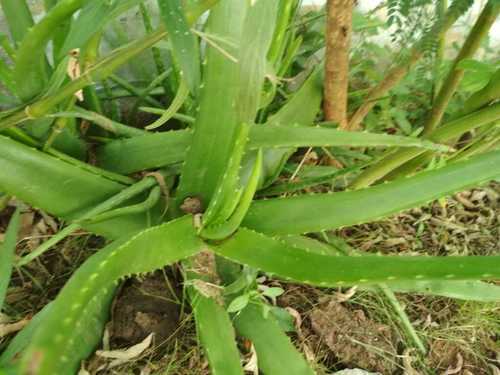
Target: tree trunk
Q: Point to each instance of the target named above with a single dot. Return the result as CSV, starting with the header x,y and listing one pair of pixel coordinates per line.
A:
x,y
338,40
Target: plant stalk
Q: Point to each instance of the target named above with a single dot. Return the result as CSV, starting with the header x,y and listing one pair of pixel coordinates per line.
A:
x,y
338,40
448,131
397,73
470,47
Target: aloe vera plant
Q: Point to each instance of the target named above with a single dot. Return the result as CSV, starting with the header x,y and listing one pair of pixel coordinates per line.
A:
x,y
192,195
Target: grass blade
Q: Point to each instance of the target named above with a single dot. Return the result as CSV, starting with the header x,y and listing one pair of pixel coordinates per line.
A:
x,y
7,249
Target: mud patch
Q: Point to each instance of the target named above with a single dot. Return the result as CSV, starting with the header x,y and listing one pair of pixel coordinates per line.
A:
x,y
145,306
353,338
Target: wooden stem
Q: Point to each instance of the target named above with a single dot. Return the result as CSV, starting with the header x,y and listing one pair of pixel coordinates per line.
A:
x,y
338,40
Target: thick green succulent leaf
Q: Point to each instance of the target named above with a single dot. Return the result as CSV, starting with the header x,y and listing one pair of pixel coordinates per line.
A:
x,y
228,192
301,264
276,355
160,149
185,47
7,250
216,334
222,229
156,150
471,290
73,327
301,109
31,77
278,136
235,94
214,129
145,152
257,35
99,71
6,79
18,17
467,290
91,19
63,189
294,215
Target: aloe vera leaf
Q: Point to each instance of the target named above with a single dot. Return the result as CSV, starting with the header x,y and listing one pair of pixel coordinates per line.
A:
x,y
7,249
227,194
470,290
257,36
162,149
294,215
27,164
6,78
18,16
114,127
123,196
300,109
179,99
217,119
55,346
163,72
7,46
185,47
484,96
269,136
288,59
30,77
99,71
61,33
61,189
22,339
145,152
91,19
149,203
243,86
303,265
286,8
134,91
224,229
195,8
216,334
276,355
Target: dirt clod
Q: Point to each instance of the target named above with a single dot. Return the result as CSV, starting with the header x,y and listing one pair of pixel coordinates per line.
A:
x,y
354,338
143,307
